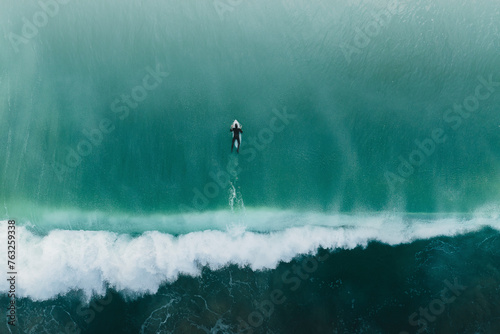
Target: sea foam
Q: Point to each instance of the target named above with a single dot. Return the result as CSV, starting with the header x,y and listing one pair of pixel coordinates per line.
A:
x,y
55,263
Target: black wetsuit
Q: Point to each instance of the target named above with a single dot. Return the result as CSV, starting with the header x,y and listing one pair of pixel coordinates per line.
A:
x,y
236,136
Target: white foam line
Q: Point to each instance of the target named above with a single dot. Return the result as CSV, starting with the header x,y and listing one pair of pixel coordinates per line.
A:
x,y
92,260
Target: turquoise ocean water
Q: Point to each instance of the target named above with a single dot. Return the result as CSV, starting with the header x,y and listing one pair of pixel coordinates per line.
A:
x,y
364,198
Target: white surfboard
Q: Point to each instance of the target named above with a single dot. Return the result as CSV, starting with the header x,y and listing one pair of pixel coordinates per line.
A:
x,y
232,127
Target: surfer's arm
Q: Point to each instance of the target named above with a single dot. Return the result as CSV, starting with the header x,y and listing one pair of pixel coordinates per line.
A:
x,y
231,130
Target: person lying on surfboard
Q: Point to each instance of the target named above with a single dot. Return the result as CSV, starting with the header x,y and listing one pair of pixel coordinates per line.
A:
x,y
236,136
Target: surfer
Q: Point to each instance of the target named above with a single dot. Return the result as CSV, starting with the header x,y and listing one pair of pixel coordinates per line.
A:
x,y
236,130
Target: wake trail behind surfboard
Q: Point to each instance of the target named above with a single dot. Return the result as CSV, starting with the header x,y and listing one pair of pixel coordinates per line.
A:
x,y
235,198
234,192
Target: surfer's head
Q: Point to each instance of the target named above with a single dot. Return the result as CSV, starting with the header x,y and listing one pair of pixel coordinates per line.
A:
x,y
236,125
